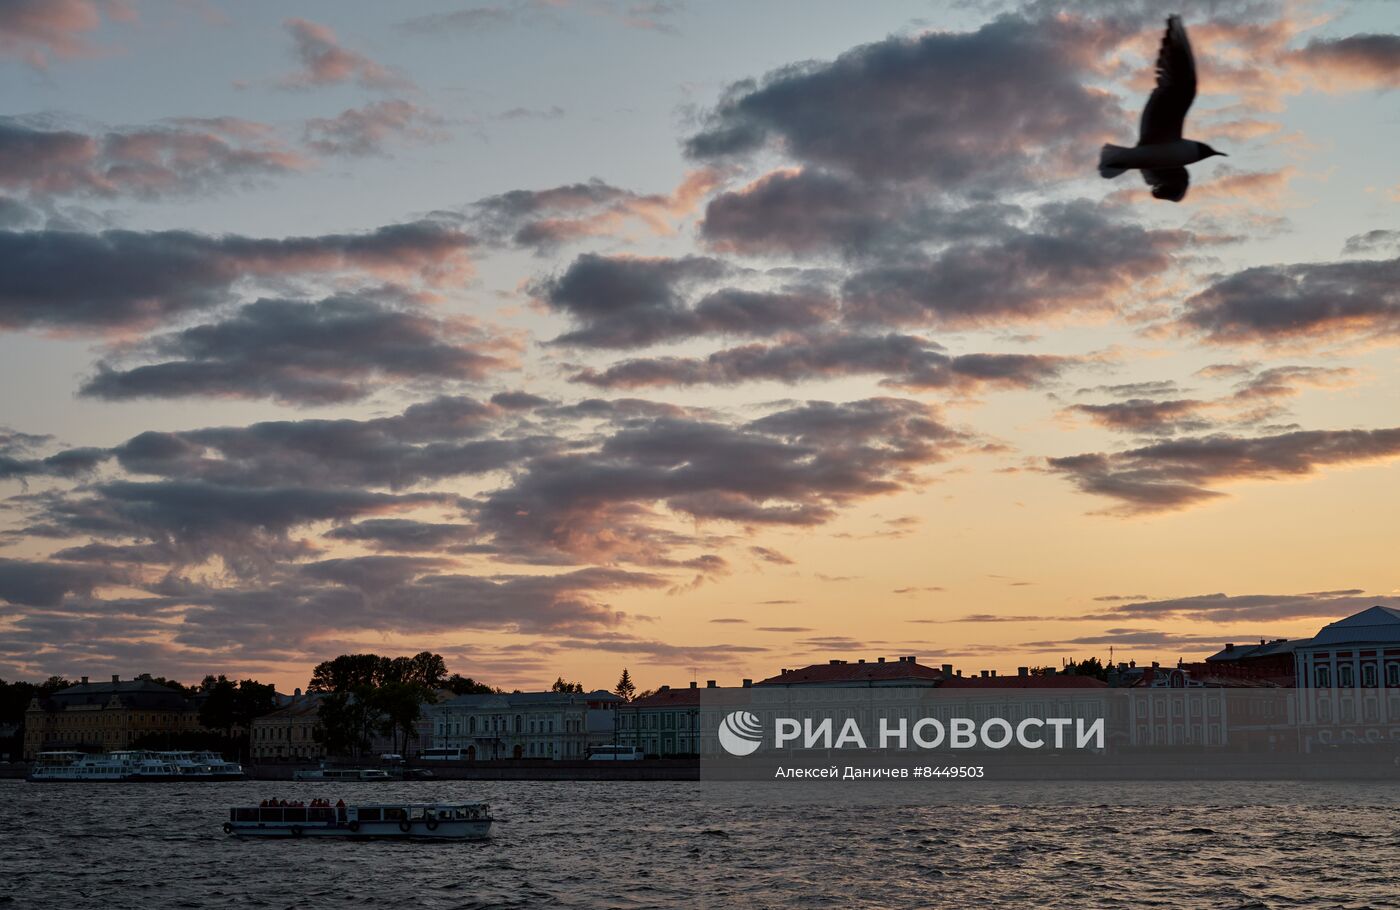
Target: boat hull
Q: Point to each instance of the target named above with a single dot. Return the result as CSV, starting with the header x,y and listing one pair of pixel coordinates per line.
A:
x,y
416,830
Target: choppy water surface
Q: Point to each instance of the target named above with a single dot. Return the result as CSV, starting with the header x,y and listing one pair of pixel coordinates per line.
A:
x,y
635,845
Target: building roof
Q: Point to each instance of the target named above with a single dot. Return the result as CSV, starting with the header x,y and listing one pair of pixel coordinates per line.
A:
x,y
304,706
1058,681
526,699
666,698
1277,647
904,671
132,693
1375,625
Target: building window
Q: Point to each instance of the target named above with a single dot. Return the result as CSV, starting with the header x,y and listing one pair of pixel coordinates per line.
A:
x,y
1345,678
1392,675
1368,676
1323,676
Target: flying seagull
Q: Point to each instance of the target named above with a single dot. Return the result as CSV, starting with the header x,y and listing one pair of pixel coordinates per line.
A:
x,y
1161,154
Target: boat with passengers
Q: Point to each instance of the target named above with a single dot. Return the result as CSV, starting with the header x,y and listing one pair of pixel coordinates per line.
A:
x,y
321,818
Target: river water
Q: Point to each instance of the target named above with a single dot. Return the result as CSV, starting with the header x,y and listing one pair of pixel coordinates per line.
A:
x,y
752,846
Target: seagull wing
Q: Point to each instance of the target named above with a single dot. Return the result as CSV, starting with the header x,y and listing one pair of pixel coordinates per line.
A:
x,y
1176,88
1168,182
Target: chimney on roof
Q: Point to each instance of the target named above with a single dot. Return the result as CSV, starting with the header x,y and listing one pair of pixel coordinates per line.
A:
x,y
1262,642
835,663
960,673
1156,666
1023,671
994,673
913,659
985,674
694,685
116,678
85,680
861,661
710,684
880,660
1230,646
748,683
947,669
665,688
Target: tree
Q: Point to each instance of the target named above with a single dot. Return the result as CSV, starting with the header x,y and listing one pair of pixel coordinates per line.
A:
x,y
218,709
458,684
625,689
566,687
378,695
349,671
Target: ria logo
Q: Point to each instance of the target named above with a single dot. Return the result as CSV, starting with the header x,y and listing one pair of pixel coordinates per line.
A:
x,y
740,733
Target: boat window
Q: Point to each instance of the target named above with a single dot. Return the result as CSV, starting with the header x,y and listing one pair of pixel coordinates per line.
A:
x,y
371,815
296,815
245,815
319,815
270,815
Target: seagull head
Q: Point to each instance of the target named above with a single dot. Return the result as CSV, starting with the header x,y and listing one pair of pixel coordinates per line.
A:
x,y
1207,152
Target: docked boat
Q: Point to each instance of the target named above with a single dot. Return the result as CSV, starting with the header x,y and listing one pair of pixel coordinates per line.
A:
x,y
204,766
342,774
132,766
400,821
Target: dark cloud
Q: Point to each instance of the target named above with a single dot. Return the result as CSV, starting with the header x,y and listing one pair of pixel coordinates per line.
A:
x,y
193,520
811,212
792,467
449,436
405,535
942,108
1153,387
1268,607
179,157
1300,304
1360,61
372,128
1372,242
1069,257
624,302
543,220
905,361
767,554
19,457
1143,415
46,584
126,279
334,350
1179,473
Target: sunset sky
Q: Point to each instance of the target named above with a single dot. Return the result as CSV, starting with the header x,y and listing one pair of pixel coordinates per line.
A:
x,y
704,339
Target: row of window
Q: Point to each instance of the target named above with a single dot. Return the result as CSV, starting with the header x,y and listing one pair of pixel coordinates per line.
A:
x,y
498,724
1346,676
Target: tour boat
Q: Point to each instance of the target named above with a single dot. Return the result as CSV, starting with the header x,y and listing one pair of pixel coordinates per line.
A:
x,y
111,767
342,774
204,766
132,766
437,821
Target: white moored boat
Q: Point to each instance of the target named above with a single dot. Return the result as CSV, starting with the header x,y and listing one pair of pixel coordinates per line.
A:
x,y
132,766
342,774
112,767
438,821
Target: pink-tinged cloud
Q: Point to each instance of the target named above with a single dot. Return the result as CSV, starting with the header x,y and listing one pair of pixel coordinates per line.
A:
x,y
182,157
372,128
324,61
35,30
